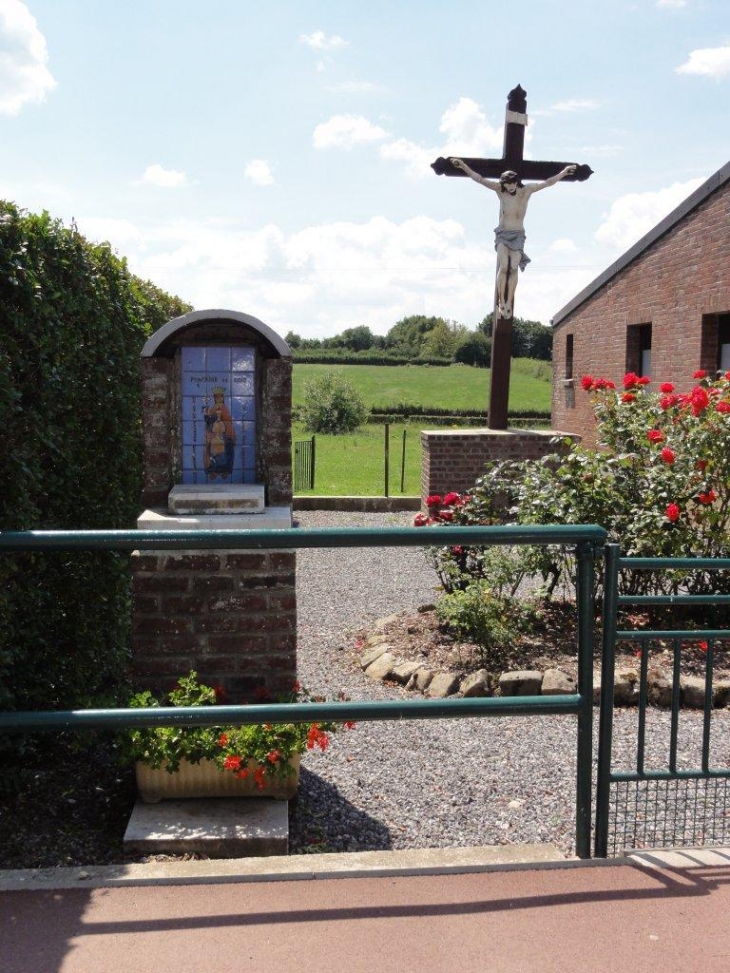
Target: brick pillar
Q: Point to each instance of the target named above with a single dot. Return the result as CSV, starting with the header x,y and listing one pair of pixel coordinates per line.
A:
x,y
231,615
456,459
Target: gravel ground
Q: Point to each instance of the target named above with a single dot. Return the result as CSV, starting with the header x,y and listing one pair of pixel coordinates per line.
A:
x,y
441,783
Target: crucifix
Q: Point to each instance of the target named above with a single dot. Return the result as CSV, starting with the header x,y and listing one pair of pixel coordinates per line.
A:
x,y
509,243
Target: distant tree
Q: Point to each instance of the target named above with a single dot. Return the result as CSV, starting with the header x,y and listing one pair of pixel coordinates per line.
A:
x,y
357,339
530,339
474,348
293,340
407,334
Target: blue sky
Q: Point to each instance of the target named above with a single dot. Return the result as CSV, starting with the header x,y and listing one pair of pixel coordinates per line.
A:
x,y
274,158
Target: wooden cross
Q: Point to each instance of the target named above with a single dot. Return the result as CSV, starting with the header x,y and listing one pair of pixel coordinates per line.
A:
x,y
512,158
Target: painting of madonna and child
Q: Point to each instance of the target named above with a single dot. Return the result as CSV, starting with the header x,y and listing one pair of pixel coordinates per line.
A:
x,y
218,415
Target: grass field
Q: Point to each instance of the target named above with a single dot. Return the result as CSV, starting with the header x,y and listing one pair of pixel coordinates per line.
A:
x,y
443,387
353,464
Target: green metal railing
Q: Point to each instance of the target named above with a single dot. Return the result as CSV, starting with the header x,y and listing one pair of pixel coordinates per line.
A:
x,y
614,563
586,540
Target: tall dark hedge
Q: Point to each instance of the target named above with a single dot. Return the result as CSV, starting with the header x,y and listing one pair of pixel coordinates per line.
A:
x,y
73,321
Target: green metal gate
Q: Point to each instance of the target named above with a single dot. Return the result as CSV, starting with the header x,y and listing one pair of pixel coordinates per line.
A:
x,y
677,803
304,457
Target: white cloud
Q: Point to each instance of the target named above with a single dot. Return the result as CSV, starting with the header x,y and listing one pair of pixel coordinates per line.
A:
x,y
468,131
157,175
712,62
24,75
319,41
633,215
576,104
346,131
562,245
259,172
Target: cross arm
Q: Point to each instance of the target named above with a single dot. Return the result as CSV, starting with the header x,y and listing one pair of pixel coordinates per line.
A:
x,y
493,169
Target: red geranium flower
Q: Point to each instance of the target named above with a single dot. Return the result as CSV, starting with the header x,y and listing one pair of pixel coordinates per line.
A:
x,y
628,397
655,436
700,373
709,497
420,520
446,515
667,455
450,499
666,387
722,406
702,646
259,775
242,774
232,763
586,383
644,380
673,512
699,400
222,740
434,500
273,757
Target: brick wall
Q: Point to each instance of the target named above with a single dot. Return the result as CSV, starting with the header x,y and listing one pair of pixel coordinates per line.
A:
x,y
454,460
677,280
230,615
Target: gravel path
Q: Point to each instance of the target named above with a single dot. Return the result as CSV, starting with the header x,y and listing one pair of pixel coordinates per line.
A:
x,y
433,783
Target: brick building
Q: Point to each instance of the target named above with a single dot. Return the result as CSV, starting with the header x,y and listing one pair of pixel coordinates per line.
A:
x,y
662,309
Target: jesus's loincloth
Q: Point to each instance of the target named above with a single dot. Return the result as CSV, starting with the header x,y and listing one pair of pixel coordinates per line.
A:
x,y
515,240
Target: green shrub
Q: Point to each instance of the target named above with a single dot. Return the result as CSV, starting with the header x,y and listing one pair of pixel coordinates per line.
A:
x,y
332,405
478,615
73,321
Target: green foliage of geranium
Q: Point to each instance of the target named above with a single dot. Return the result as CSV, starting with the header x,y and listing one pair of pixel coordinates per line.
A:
x,y
73,321
270,745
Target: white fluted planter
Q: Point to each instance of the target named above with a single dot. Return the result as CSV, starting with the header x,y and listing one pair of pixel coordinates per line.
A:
x,y
205,779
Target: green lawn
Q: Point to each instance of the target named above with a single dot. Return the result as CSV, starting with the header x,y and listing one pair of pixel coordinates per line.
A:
x,y
443,387
353,464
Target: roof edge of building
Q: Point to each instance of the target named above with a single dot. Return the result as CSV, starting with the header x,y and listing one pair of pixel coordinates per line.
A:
x,y
700,194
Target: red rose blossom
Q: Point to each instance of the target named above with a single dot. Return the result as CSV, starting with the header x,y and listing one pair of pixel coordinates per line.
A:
x,y
644,380
450,499
700,373
668,455
722,406
420,520
709,497
628,397
434,500
586,383
672,512
668,401
446,515
630,380
666,387
655,436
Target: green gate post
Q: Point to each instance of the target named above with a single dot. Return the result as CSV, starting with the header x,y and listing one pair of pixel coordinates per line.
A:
x,y
605,727
585,575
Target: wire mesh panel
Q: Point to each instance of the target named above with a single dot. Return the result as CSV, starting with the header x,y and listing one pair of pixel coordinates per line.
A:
x,y
668,813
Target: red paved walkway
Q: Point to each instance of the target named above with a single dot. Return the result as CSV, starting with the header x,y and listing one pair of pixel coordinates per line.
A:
x,y
588,919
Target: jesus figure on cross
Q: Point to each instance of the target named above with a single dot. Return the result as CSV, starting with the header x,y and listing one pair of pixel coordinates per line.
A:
x,y
509,235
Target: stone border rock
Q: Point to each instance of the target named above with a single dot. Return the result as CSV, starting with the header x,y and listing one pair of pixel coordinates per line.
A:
x,y
380,663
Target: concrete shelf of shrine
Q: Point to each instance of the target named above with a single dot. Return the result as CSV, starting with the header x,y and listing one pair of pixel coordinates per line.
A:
x,y
216,498
271,518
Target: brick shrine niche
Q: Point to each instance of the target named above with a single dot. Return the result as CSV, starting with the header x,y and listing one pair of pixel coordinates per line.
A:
x,y
216,432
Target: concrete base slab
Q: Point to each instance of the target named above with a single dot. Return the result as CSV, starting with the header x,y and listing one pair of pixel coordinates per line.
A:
x,y
273,518
219,828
